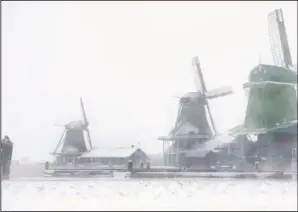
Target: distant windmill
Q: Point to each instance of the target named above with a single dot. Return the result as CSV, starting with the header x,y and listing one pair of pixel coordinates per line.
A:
x,y
75,137
86,123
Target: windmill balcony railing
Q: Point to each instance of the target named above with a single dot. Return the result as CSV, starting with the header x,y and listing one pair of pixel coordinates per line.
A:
x,y
264,83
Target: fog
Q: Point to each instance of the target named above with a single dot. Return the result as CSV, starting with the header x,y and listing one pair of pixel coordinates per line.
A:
x,y
127,60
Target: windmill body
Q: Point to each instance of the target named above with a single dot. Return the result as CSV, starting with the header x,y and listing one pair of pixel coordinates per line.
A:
x,y
271,112
194,126
75,140
271,117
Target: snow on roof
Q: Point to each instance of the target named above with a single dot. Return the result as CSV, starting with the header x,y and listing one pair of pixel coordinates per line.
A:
x,y
290,127
111,152
200,150
184,128
235,129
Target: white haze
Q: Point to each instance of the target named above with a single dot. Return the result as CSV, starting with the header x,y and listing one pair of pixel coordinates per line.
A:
x,y
127,60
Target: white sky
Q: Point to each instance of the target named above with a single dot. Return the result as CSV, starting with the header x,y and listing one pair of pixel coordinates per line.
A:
x,y
127,60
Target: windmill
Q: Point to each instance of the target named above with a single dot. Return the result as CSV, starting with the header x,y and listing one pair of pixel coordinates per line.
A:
x,y
271,112
75,139
278,83
194,123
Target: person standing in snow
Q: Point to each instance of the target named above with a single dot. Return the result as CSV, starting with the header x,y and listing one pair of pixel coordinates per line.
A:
x,y
6,155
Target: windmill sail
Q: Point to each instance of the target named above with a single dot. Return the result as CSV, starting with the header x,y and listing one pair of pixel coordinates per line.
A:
x,y
219,92
278,39
202,88
86,123
199,79
59,143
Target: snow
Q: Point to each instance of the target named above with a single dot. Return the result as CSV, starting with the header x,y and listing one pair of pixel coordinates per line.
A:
x,y
201,149
138,194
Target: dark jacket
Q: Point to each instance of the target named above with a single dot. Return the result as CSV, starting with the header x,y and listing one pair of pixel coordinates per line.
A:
x,y
6,150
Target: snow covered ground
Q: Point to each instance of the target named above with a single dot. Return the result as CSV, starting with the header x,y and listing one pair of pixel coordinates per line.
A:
x,y
153,194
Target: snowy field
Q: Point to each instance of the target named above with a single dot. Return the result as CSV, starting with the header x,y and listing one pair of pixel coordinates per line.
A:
x,y
137,194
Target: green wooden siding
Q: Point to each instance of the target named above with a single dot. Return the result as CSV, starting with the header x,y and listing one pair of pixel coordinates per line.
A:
x,y
271,104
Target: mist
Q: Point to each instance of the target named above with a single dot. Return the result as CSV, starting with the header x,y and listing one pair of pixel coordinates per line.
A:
x,y
127,60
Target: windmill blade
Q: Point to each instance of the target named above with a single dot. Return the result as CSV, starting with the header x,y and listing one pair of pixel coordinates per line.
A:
x,y
278,39
86,123
201,87
89,138
199,79
60,142
85,120
219,92
178,97
211,118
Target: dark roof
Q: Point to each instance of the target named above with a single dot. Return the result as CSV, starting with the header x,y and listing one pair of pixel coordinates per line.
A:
x,y
200,150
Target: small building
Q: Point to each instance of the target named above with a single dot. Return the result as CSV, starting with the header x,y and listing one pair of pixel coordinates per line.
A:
x,y
210,152
115,156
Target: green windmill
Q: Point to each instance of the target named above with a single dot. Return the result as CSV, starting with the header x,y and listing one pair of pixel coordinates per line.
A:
x,y
272,98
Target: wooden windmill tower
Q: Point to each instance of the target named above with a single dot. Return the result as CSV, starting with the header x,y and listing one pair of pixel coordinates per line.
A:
x,y
194,123
271,112
75,139
272,96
